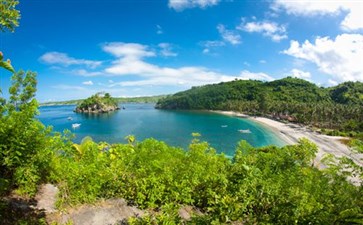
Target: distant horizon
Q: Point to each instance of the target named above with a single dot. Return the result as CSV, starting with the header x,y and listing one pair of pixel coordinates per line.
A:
x,y
133,48
157,95
146,96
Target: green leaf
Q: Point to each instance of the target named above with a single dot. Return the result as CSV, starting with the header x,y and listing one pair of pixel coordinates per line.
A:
x,y
7,66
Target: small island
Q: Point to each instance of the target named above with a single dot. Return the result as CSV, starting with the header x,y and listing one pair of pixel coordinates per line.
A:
x,y
98,103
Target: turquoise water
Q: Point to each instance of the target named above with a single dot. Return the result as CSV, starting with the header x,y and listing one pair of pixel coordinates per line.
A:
x,y
173,127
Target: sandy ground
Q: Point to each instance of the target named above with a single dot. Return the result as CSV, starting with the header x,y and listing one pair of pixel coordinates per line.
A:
x,y
291,133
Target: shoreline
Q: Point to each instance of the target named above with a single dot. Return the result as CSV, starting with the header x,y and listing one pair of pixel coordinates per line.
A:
x,y
291,133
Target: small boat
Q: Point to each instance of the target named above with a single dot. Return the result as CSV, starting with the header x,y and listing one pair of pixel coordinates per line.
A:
x,y
245,131
70,118
224,126
76,125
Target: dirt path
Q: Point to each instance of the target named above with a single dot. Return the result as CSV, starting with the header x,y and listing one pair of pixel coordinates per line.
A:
x,y
112,211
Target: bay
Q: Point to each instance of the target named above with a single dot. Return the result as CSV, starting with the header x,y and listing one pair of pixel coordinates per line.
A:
x,y
174,127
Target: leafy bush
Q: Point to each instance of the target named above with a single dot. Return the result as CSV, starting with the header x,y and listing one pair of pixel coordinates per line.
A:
x,y
357,145
24,141
264,185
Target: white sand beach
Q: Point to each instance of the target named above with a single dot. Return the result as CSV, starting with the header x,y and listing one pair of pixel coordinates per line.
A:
x,y
291,133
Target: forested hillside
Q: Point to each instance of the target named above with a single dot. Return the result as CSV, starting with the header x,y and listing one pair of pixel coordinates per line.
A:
x,y
294,99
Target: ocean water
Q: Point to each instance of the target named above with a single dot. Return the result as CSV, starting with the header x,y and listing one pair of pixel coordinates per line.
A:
x,y
173,127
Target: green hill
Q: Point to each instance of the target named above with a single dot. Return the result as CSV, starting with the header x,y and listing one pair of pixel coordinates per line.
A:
x,y
348,93
289,98
214,96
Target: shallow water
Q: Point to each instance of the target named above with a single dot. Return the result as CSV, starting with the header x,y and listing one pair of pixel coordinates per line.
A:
x,y
173,127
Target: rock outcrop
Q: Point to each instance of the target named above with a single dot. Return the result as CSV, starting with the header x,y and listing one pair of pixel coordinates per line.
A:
x,y
111,211
96,108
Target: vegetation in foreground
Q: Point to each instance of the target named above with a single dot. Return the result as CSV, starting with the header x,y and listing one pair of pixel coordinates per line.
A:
x,y
266,185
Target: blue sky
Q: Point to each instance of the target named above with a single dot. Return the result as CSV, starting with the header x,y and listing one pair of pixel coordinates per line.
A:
x,y
138,48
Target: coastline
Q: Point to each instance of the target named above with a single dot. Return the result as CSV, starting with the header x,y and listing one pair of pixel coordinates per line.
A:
x,y
291,133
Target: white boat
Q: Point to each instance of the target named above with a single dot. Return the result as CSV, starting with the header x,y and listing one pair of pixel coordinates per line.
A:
x,y
224,126
69,118
245,131
76,125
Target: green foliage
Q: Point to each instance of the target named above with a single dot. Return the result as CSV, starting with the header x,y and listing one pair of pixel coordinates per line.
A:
x,y
348,93
215,96
357,145
264,185
9,16
98,99
6,64
24,148
96,102
25,215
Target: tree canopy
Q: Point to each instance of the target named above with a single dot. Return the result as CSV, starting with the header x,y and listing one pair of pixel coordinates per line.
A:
x,y
9,16
100,102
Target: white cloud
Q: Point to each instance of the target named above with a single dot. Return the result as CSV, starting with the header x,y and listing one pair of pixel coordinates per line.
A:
x,y
151,74
209,45
299,74
159,29
88,82
353,19
229,36
262,61
128,50
64,60
332,82
206,51
193,76
186,76
247,75
180,5
85,73
340,58
166,50
266,28
130,60
69,87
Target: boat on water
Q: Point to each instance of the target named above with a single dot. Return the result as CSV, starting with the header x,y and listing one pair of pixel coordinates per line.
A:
x,y
76,125
245,131
70,118
224,126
